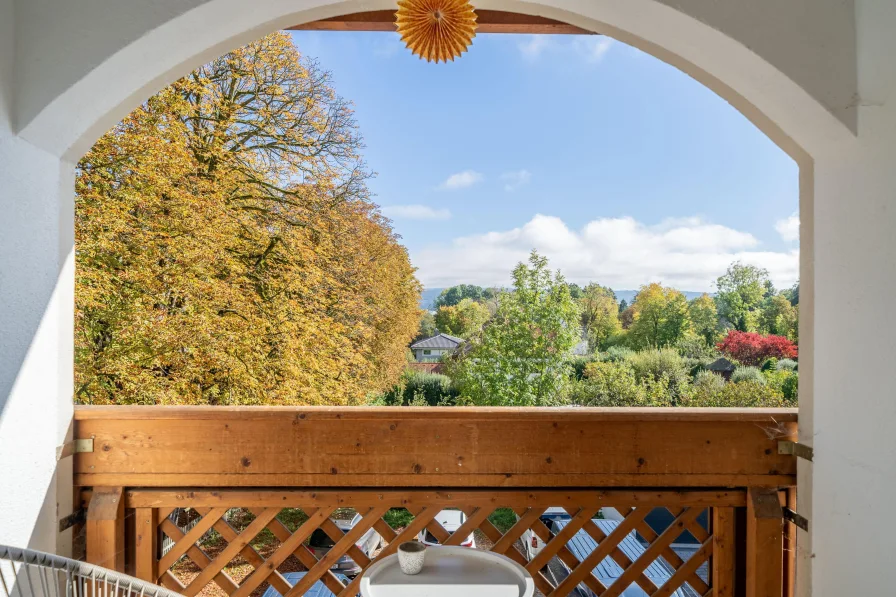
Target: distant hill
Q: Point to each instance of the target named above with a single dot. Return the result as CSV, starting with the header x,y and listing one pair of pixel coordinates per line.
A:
x,y
629,295
429,295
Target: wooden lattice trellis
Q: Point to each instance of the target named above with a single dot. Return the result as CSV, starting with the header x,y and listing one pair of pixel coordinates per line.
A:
x,y
151,509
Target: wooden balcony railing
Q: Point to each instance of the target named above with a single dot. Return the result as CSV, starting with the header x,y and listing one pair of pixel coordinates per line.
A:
x,y
256,483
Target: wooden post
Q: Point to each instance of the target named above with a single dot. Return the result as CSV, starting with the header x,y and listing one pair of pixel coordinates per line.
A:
x,y
790,534
765,543
146,540
105,528
723,552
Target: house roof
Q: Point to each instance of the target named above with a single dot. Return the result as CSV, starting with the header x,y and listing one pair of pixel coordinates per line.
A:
x,y
722,364
685,552
318,589
660,519
582,544
438,341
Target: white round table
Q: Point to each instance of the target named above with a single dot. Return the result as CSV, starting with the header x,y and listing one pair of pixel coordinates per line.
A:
x,y
449,572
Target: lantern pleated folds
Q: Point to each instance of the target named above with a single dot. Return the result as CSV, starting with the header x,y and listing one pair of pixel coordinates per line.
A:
x,y
436,30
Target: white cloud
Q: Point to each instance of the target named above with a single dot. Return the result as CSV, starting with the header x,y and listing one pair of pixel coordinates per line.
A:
x,y
593,48
623,253
789,228
590,47
534,45
415,212
514,180
461,180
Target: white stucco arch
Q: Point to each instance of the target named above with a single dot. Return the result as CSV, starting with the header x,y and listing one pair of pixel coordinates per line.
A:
x,y
723,49
814,75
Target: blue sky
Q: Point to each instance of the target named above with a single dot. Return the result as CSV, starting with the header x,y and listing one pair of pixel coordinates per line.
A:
x,y
618,167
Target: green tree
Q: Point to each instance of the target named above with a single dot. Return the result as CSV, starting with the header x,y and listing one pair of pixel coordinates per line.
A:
x,y
575,291
454,295
741,291
793,294
660,317
779,317
627,317
520,357
704,318
600,315
427,327
464,319
776,316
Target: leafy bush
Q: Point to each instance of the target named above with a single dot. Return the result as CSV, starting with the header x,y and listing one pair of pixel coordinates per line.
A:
x,y
654,363
790,388
616,354
747,394
709,381
614,384
578,363
695,347
659,392
786,365
292,518
398,517
751,349
606,384
503,519
658,364
419,389
769,364
775,379
752,374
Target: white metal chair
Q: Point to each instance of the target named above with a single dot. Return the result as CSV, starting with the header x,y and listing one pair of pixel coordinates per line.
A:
x,y
30,573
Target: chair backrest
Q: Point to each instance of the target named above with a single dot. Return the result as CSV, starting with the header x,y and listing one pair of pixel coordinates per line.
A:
x,y
30,573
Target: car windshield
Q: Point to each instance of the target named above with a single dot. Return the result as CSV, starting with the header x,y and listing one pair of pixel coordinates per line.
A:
x,y
320,539
430,538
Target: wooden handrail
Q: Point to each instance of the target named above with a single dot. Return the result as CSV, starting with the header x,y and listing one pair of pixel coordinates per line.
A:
x,y
154,446
98,412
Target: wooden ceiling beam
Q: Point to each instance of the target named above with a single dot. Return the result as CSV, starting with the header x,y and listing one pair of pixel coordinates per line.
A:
x,y
489,21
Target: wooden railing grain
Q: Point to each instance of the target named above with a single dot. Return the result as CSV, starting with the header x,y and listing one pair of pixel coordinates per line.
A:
x,y
433,447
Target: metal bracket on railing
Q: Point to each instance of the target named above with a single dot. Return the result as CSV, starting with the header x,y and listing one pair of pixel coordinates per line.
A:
x,y
796,449
800,521
74,447
76,517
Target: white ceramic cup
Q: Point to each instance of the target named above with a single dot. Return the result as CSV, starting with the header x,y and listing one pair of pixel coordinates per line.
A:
x,y
410,557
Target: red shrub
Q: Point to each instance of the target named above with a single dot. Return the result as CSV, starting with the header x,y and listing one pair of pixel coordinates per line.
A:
x,y
751,349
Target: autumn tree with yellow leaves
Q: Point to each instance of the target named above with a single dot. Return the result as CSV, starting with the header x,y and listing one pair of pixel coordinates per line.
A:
x,y
660,317
227,250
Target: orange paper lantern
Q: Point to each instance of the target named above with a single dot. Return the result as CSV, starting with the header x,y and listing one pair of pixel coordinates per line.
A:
x,y
439,30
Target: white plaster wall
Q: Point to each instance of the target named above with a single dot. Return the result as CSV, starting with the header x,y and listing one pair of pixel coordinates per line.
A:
x,y
854,379
36,295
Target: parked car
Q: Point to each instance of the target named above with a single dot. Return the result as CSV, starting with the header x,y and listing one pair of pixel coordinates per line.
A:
x,y
320,543
451,520
532,542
